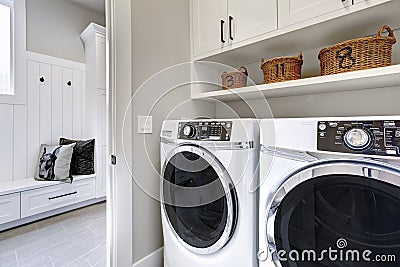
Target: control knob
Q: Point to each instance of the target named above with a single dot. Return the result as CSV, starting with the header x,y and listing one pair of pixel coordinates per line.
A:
x,y
357,139
189,130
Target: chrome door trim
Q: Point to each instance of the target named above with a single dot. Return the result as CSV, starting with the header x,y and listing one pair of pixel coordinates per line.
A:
x,y
231,199
214,145
370,169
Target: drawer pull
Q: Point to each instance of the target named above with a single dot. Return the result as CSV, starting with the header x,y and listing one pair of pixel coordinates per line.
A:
x,y
73,193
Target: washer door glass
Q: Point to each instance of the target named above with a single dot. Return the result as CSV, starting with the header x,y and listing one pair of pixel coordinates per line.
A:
x,y
341,212
197,202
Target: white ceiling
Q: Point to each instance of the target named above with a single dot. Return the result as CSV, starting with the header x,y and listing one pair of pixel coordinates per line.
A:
x,y
97,5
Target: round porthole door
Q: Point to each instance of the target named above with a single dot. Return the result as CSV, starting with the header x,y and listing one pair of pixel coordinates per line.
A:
x,y
345,219
199,199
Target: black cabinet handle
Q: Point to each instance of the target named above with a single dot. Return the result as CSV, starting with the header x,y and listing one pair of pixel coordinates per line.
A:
x,y
222,31
230,27
73,193
41,79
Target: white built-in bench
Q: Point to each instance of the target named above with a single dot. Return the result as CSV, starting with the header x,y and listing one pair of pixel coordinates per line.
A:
x,y
27,200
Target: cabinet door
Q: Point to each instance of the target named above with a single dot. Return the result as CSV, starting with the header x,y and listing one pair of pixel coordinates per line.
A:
x,y
294,11
251,18
207,27
9,208
100,63
101,148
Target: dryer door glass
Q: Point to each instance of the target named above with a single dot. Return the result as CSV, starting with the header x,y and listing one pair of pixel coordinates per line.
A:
x,y
335,220
196,201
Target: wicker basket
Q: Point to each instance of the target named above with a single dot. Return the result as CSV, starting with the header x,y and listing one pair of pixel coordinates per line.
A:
x,y
237,79
358,54
282,69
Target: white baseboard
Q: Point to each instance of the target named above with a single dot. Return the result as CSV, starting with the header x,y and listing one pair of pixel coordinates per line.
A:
x,y
154,259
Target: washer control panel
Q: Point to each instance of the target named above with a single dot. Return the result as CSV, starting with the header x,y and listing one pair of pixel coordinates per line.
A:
x,y
205,130
362,137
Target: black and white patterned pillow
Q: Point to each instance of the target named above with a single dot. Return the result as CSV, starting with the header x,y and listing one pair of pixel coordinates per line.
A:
x,y
82,162
54,163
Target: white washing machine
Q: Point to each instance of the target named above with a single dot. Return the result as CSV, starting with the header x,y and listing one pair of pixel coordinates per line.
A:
x,y
208,206
330,192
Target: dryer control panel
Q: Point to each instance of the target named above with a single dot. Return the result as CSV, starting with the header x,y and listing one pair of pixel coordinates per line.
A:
x,y
361,137
205,130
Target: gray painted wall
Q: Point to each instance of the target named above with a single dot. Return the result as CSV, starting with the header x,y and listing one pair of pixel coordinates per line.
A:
x,y
160,39
54,26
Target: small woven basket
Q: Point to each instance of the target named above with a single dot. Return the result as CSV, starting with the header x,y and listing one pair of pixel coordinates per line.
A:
x,y
282,69
358,54
236,79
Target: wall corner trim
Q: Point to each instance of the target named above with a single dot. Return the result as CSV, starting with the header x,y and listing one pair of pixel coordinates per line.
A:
x,y
154,259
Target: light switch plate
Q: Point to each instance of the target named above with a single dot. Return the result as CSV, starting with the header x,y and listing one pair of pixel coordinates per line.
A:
x,y
145,124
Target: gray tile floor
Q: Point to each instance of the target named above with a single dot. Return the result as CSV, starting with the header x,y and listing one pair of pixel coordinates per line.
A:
x,y
76,239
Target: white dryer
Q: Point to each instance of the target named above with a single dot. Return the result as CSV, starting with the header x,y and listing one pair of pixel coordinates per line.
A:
x,y
330,192
208,206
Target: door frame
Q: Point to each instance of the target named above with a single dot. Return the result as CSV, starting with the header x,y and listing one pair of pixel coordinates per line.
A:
x,y
119,184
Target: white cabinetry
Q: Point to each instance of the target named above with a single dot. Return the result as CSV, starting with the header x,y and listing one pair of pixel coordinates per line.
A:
x,y
217,24
52,197
95,95
255,28
9,208
251,18
208,23
101,61
295,11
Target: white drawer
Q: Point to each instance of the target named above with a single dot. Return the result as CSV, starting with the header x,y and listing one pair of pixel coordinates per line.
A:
x,y
52,197
9,208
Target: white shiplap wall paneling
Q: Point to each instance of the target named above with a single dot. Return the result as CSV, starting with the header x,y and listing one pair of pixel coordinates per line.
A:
x,y
57,104
67,103
45,106
6,143
54,110
33,144
20,141
77,104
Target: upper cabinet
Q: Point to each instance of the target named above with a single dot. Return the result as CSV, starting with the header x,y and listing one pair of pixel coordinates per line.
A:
x,y
250,18
236,32
217,24
209,25
295,11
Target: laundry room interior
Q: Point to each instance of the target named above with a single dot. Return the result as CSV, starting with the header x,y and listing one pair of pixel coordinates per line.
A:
x,y
219,132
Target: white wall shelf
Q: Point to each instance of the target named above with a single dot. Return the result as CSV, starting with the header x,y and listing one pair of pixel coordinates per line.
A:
x,y
350,81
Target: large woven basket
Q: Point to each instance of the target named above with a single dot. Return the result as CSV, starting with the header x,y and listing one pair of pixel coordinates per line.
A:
x,y
358,54
236,79
282,69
